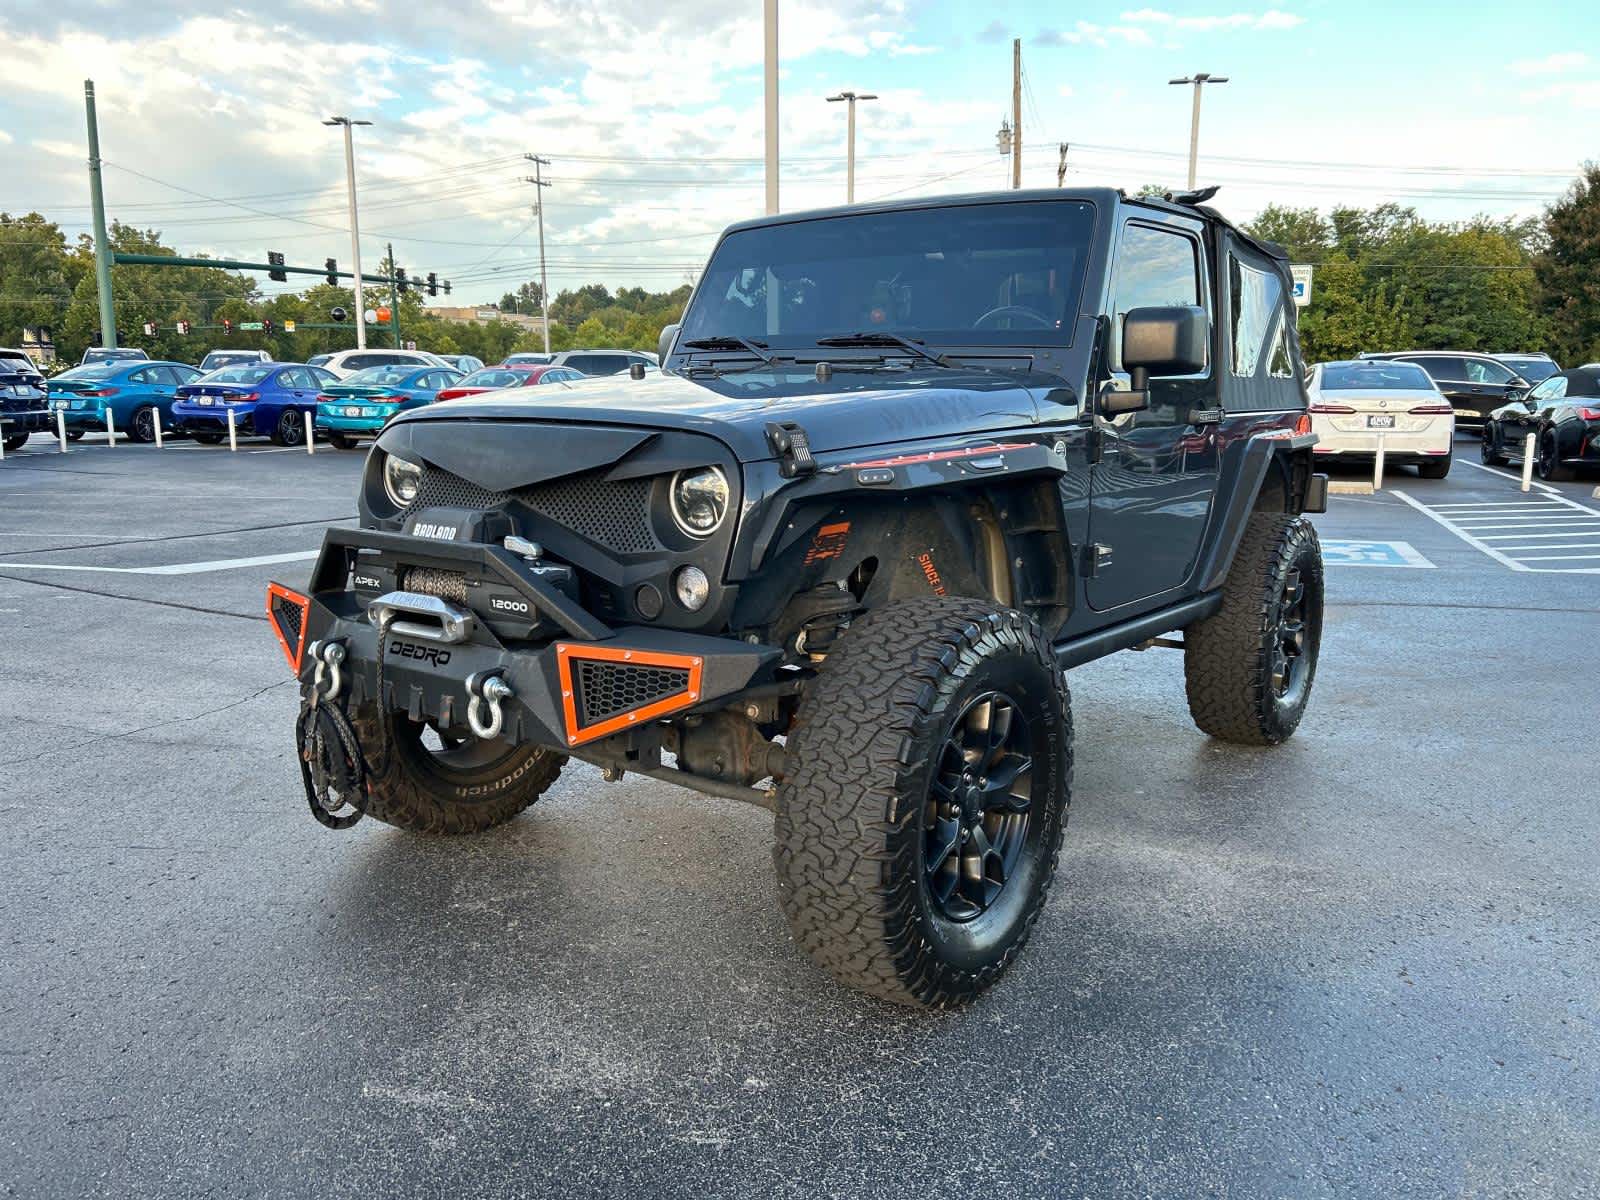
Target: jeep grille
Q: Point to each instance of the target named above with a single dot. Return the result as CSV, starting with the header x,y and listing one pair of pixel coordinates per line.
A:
x,y
614,514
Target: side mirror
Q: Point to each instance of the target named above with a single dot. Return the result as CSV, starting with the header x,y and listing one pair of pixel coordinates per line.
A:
x,y
669,334
1164,341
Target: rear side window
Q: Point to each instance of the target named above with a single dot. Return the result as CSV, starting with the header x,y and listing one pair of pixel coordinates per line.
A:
x,y
1156,268
1440,366
1257,322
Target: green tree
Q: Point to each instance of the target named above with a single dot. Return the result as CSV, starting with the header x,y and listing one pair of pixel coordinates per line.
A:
x,y
1567,270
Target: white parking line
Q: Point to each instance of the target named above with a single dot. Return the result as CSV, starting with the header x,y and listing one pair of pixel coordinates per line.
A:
x,y
1556,557
194,568
1546,517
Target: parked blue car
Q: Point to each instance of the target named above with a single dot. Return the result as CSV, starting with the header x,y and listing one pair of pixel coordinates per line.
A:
x,y
130,391
360,405
270,399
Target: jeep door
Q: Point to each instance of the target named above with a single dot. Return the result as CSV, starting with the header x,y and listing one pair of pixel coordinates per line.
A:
x,y
1152,488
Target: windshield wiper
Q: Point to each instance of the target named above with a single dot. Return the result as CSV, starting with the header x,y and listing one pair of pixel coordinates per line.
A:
x,y
759,349
885,340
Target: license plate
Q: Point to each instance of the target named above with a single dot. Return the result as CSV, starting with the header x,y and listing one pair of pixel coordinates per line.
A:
x,y
1386,422
353,410
204,401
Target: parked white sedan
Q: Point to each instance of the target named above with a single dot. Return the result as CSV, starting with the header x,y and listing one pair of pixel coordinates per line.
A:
x,y
1357,405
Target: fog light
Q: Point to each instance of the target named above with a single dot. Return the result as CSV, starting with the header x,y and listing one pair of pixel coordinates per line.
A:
x,y
648,601
692,588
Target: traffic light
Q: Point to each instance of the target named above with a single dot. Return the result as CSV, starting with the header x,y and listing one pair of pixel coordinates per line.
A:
x,y
227,325
149,329
333,271
400,278
266,326
433,283
275,257
183,327
446,287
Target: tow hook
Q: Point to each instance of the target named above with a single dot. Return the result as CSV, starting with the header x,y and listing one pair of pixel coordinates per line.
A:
x,y
329,657
484,687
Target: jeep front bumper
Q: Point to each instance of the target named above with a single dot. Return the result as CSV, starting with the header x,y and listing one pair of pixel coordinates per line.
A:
x,y
572,679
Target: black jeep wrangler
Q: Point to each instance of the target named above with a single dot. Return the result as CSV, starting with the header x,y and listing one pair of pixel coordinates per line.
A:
x,y
905,464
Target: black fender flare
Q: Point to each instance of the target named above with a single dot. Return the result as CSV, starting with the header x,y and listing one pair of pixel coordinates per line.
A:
x,y
1237,499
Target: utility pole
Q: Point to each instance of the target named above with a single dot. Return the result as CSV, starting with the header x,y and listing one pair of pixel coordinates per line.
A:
x,y
850,141
538,180
355,224
1199,80
771,24
394,298
102,246
1061,164
1016,112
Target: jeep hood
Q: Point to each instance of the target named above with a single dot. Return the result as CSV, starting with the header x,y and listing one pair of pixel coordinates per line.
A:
x,y
852,410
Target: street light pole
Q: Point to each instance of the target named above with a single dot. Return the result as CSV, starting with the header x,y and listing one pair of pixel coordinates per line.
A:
x,y
1199,80
850,141
355,225
102,244
770,13
540,182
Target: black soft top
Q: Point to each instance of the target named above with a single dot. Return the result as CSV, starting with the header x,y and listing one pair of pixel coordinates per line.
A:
x,y
1582,381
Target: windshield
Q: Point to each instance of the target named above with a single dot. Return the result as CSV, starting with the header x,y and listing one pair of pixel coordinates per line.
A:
x,y
238,375
112,355
1375,376
227,357
93,371
493,377
1002,274
528,360
381,376
1533,369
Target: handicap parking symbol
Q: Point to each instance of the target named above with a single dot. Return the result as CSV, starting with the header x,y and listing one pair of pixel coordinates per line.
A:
x,y
1346,552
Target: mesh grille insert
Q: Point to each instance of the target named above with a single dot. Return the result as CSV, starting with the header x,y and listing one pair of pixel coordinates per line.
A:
x,y
289,617
606,689
613,514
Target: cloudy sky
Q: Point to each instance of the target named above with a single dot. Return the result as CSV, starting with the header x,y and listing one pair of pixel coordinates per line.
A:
x,y
651,115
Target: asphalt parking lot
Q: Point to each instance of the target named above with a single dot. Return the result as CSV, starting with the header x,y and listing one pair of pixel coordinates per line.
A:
x,y
1360,964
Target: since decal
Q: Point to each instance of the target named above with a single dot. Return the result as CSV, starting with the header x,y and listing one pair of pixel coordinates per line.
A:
x,y
931,573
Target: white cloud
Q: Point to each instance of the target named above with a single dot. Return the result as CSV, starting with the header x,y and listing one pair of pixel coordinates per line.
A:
x,y
1551,64
1271,19
1584,93
1089,33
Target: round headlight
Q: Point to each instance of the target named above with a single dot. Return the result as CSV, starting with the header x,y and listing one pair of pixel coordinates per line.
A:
x,y
402,480
700,500
691,587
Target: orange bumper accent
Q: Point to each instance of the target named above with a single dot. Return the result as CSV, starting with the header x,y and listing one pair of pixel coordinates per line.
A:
x,y
571,654
287,611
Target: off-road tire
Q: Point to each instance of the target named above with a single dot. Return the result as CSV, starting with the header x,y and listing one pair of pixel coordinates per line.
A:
x,y
1435,468
1548,464
16,442
1227,657
1489,450
850,835
208,439
408,789
340,441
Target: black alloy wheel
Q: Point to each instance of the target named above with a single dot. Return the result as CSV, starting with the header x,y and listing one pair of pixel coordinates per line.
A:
x,y
143,426
1489,448
291,428
1548,464
979,807
1287,664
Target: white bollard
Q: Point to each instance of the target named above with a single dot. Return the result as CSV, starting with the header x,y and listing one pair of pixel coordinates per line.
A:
x,y
155,414
311,435
1527,462
233,433
111,430
1377,467
61,429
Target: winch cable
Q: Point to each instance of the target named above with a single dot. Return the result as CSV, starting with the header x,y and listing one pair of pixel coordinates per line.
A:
x,y
332,766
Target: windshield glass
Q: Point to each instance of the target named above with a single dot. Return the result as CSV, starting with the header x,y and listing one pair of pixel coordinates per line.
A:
x,y
527,360
1534,370
238,375
1003,274
1375,376
381,376
492,377
93,371
103,355
223,358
